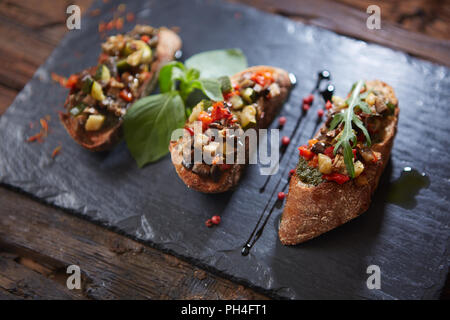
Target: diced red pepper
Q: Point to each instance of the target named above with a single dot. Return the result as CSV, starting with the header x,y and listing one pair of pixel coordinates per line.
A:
x,y
263,78
282,121
329,152
228,95
314,162
291,172
354,153
281,195
220,112
190,130
205,118
336,177
126,95
320,113
306,153
328,105
306,107
72,81
145,38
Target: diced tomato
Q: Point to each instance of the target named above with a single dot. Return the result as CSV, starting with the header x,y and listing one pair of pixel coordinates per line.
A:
x,y
291,172
282,121
72,81
306,153
336,177
306,107
220,112
328,105
314,162
281,195
205,118
145,38
329,152
320,113
354,153
126,95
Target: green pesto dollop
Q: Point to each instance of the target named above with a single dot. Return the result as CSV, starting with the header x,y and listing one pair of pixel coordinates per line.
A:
x,y
307,174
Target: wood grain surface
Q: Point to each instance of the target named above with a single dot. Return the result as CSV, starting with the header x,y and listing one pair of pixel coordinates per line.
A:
x,y
38,242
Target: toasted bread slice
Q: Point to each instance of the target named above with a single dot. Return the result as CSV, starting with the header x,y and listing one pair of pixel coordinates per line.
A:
x,y
168,44
313,210
230,177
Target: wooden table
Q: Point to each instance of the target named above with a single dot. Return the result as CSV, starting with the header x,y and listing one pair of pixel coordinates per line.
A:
x,y
38,242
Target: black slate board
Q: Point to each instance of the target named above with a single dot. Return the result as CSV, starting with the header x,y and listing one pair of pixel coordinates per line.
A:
x,y
410,245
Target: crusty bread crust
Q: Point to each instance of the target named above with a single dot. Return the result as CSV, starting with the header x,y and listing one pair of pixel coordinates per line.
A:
x,y
311,211
168,44
230,178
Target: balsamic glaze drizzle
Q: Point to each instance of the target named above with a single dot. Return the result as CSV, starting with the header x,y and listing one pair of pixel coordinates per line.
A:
x,y
327,93
257,232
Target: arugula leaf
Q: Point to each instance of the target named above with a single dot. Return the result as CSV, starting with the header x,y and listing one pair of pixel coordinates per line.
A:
x,y
216,63
149,124
347,134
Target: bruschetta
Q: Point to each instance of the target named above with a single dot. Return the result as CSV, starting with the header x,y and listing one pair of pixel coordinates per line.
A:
x,y
100,96
251,100
339,169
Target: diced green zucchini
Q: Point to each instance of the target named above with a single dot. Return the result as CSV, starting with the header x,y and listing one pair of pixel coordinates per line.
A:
x,y
77,110
237,102
248,116
103,73
206,104
86,84
249,95
225,84
122,65
134,59
97,91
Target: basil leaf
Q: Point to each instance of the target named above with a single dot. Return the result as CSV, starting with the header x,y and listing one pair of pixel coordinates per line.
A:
x,y
168,74
216,63
210,87
149,123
